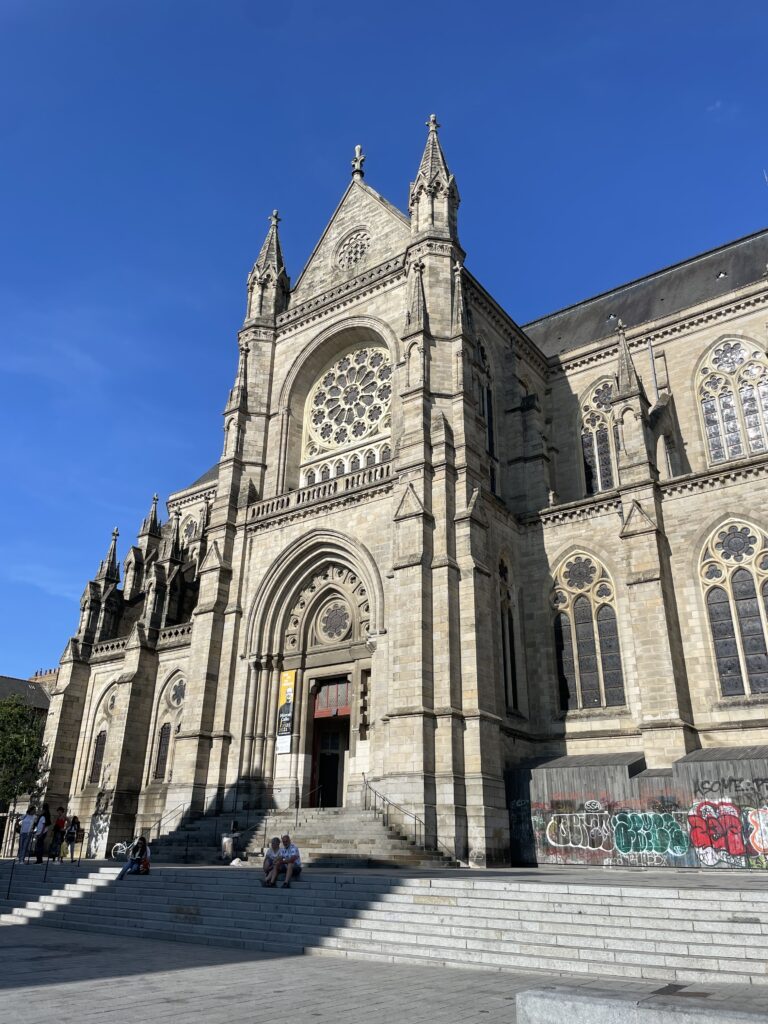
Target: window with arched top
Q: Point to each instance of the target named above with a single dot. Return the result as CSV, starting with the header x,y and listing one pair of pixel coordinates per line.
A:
x,y
163,745
587,647
348,407
599,438
507,634
733,398
734,574
97,761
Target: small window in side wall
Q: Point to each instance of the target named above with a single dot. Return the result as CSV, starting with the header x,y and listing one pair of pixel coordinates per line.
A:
x,y
98,757
370,458
163,743
386,453
338,469
310,477
325,473
354,463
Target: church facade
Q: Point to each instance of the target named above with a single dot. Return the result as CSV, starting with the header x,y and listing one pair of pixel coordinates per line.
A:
x,y
437,545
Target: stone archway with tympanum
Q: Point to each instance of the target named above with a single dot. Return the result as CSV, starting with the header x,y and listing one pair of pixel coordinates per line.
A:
x,y
312,720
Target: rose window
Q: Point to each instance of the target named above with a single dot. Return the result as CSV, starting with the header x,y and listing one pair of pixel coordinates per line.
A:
x,y
350,401
334,622
579,573
736,543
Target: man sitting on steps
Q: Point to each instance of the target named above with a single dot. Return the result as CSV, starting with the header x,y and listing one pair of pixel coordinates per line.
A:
x,y
289,862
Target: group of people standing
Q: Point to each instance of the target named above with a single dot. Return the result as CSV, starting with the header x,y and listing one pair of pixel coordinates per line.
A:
x,y
35,828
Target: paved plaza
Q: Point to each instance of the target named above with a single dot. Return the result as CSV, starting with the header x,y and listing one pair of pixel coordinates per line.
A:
x,y
78,977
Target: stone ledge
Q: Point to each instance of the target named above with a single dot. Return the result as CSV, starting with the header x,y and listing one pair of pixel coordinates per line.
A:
x,y
669,1004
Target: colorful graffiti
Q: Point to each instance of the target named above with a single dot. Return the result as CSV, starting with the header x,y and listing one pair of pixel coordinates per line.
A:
x,y
711,833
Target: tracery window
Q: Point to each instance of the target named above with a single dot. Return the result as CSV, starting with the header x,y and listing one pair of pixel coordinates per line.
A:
x,y
733,396
599,438
586,635
734,575
347,408
97,762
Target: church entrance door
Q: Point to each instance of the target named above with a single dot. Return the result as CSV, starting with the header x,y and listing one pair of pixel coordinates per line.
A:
x,y
331,742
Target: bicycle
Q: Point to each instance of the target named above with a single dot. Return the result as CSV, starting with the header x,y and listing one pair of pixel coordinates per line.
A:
x,y
121,849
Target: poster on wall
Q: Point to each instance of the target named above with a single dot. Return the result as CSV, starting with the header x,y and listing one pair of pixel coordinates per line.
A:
x,y
285,712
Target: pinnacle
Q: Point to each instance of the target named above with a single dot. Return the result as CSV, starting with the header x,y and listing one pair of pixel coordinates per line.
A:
x,y
271,255
433,163
109,569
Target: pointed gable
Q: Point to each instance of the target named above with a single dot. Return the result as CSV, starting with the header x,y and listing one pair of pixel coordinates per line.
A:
x,y
365,230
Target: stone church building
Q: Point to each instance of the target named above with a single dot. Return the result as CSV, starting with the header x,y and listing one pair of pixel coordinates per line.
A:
x,y
437,544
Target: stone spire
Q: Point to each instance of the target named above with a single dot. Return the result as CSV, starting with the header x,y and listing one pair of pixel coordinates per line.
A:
x,y
174,541
627,381
151,526
109,570
268,283
271,255
434,198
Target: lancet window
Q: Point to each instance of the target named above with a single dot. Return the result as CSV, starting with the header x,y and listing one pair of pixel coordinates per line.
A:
x,y
507,633
733,396
734,575
347,415
97,762
598,438
587,644
163,744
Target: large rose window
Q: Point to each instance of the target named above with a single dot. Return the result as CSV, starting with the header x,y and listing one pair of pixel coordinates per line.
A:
x,y
350,403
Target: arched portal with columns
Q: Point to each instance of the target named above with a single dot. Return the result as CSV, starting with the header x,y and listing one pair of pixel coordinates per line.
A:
x,y
316,656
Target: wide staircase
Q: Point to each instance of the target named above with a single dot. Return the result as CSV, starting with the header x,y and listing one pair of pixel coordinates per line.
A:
x,y
328,837
678,930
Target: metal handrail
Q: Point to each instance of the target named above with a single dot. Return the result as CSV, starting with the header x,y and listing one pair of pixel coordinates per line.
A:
x,y
420,831
161,819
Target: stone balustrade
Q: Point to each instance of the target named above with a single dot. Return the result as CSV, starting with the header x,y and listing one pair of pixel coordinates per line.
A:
x,y
323,490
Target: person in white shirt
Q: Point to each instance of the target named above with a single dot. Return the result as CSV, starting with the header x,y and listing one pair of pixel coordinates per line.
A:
x,y
271,862
25,832
290,861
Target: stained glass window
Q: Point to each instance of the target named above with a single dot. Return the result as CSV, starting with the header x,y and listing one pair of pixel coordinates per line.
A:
x,y
734,574
733,397
599,439
587,648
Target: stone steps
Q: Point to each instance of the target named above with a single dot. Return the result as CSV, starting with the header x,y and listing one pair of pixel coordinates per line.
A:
x,y
683,935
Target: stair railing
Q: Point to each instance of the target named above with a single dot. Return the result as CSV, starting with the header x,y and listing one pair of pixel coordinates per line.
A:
x,y
377,802
165,818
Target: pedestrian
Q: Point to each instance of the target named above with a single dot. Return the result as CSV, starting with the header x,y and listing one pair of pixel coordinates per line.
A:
x,y
70,835
59,827
26,827
138,859
271,863
42,825
290,861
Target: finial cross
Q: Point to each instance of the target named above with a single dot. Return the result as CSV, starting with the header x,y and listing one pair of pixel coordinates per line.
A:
x,y
357,162
432,123
274,219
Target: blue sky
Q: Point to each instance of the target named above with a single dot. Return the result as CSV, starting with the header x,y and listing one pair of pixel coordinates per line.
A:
x,y
144,145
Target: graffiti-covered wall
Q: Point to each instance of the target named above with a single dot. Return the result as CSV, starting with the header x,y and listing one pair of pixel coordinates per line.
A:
x,y
709,810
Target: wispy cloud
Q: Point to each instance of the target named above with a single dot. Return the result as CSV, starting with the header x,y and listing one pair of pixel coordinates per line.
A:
x,y
52,581
723,110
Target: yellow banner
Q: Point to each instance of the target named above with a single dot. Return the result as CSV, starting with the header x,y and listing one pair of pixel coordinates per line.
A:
x,y
285,703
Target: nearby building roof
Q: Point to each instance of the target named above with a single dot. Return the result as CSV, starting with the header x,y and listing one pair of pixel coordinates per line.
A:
x,y
699,279
31,693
